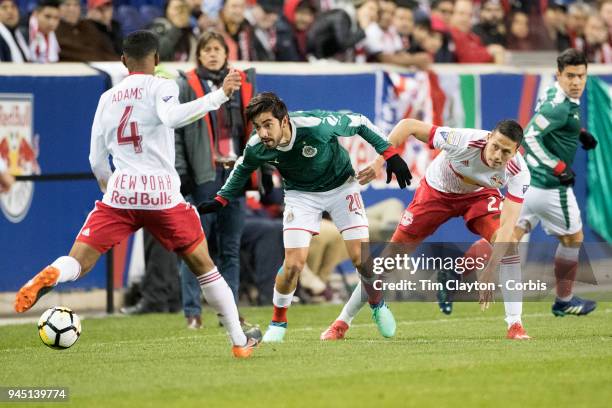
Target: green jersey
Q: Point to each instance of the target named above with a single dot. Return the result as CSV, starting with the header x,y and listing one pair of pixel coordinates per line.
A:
x,y
313,160
551,137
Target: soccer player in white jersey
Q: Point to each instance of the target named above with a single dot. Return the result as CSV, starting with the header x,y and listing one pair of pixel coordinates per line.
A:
x,y
462,181
134,123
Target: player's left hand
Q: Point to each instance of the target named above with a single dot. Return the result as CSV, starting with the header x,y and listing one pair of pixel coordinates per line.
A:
x,y
212,205
588,140
231,82
396,165
486,296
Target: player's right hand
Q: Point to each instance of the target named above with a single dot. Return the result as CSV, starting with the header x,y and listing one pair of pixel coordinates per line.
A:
x,y
567,177
231,82
370,172
211,206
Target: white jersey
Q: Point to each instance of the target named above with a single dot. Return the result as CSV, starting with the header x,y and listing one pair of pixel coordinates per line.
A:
x,y
460,167
134,123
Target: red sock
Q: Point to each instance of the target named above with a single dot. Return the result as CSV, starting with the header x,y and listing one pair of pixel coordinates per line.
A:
x,y
279,315
479,249
565,274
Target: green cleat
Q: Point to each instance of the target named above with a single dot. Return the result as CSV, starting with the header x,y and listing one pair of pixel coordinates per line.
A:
x,y
382,316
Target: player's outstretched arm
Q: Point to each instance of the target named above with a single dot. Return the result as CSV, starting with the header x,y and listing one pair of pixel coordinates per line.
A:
x,y
98,153
407,127
504,242
175,115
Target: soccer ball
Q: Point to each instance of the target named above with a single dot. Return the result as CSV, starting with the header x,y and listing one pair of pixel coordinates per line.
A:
x,y
59,327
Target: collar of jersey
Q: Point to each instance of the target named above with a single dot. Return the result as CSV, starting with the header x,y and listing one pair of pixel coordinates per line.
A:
x,y
576,101
291,143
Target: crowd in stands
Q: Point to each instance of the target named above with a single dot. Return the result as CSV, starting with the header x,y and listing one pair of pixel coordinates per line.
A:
x,y
413,33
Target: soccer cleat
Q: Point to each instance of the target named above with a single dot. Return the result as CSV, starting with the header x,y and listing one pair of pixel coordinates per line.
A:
x,y
517,332
275,333
444,295
335,331
575,306
36,287
382,316
253,336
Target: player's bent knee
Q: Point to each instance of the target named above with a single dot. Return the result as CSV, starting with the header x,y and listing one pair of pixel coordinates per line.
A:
x,y
575,239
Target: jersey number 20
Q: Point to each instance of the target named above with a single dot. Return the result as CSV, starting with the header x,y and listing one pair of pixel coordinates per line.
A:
x,y
134,138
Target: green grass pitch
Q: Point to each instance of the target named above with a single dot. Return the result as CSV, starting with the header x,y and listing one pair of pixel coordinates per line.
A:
x,y
434,360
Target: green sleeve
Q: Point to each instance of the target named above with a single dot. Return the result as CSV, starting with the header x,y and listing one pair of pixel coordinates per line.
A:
x,y
547,119
245,165
352,124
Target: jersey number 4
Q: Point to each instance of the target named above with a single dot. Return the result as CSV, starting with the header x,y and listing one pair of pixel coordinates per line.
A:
x,y
134,138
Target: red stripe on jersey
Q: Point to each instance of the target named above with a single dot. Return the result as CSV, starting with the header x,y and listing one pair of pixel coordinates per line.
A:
x,y
514,198
432,133
512,169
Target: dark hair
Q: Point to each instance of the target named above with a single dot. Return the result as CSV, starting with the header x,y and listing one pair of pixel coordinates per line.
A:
x,y
570,56
511,129
266,102
47,3
140,44
207,37
435,3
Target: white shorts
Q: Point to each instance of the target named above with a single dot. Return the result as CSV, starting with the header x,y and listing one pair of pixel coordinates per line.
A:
x,y
303,212
557,208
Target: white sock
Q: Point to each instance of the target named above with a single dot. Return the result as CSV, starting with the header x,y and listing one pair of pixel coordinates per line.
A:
x,y
510,269
567,253
70,268
353,306
281,300
219,296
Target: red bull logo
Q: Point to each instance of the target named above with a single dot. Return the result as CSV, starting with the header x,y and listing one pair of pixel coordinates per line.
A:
x,y
19,150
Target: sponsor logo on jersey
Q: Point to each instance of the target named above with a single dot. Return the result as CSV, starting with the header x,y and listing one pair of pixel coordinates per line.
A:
x,y
525,188
451,138
289,215
19,150
407,218
331,120
309,151
166,98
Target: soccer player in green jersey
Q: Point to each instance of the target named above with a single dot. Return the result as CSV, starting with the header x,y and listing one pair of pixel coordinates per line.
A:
x,y
317,176
551,140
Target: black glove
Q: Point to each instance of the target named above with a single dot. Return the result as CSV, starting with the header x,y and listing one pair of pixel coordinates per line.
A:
x,y
588,140
211,206
396,165
187,185
567,177
267,183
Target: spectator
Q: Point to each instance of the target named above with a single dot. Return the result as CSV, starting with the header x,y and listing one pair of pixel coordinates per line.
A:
x,y
518,37
334,34
292,30
13,43
468,47
441,13
605,10
79,39
491,28
237,31
385,45
366,12
403,22
265,16
436,43
176,39
597,47
206,152
43,22
554,35
100,13
577,16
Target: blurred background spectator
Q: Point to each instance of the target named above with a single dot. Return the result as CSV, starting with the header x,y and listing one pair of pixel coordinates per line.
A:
x,y
13,42
518,33
177,41
263,17
237,31
491,28
79,39
43,22
292,29
100,13
597,47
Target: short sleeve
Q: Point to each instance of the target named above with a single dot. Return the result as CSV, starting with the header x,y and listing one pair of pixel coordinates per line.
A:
x,y
519,181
